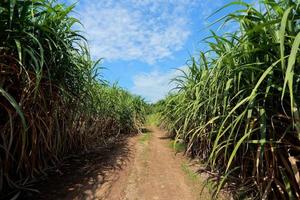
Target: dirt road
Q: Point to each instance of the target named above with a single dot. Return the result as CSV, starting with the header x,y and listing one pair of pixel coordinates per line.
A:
x,y
154,174
149,170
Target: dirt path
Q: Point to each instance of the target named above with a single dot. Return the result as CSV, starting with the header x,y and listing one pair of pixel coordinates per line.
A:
x,y
144,168
155,173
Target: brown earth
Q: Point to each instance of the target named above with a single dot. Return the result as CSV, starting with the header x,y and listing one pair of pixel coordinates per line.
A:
x,y
142,167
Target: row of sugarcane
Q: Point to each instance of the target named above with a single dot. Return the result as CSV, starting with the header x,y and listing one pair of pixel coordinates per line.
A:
x,y
237,106
53,102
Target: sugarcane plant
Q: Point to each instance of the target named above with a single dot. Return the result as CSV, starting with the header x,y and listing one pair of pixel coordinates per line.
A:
x,y
52,100
237,105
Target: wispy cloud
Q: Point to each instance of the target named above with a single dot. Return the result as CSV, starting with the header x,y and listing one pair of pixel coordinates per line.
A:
x,y
134,29
155,85
143,30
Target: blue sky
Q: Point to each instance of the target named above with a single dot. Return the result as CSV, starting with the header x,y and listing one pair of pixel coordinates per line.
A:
x,y
142,42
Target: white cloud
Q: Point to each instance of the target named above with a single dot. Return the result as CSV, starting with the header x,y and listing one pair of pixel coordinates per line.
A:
x,y
143,30
134,29
155,85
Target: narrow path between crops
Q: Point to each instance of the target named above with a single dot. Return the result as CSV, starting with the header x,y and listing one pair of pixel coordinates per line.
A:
x,y
145,168
155,173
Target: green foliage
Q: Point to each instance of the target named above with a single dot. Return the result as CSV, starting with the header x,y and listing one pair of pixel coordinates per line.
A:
x,y
237,106
177,146
51,103
155,107
153,119
190,174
